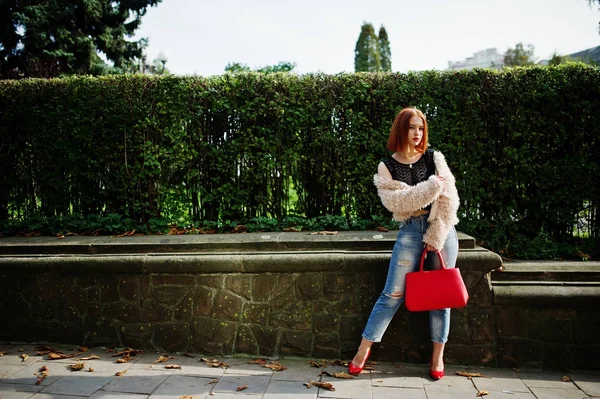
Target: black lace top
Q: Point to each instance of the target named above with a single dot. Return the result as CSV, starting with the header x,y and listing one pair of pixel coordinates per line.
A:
x,y
413,173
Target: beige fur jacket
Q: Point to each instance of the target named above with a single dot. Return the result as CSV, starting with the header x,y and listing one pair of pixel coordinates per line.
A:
x,y
403,200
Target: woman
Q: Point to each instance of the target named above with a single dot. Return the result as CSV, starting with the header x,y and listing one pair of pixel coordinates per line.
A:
x,y
416,185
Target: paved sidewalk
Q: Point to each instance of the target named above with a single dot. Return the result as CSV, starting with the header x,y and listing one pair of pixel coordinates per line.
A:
x,y
146,378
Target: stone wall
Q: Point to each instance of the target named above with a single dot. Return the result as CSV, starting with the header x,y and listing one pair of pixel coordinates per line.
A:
x,y
284,295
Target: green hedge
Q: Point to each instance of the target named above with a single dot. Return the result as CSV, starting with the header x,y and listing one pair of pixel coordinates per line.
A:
x,y
523,144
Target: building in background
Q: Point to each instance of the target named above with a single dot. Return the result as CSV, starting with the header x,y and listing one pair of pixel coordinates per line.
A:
x,y
489,58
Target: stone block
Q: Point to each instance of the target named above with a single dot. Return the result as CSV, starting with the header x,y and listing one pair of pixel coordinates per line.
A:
x,y
557,357
512,321
100,332
227,306
459,327
211,280
108,287
309,286
172,337
255,313
326,324
483,355
517,352
336,286
129,287
168,295
240,285
294,316
296,343
586,331
262,286
213,337
153,312
173,279
203,299
123,311
184,309
482,326
326,346
136,335
266,339
551,330
245,341
351,328
586,357
283,292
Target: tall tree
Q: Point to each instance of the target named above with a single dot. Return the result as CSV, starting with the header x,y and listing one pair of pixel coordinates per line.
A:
x,y
384,50
519,56
63,37
367,57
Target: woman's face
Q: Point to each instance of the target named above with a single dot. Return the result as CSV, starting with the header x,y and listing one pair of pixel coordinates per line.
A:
x,y
415,132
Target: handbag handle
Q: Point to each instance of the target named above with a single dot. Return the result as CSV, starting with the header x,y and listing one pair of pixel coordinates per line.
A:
x,y
439,254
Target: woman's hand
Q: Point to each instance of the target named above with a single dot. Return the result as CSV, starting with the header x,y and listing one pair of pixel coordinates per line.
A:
x,y
430,248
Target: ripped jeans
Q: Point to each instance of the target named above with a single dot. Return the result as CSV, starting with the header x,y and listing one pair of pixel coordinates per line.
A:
x,y
406,257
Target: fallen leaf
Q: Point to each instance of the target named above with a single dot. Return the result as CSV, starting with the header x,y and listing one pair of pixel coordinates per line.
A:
x,y
240,228
4,353
382,229
242,387
275,366
41,375
291,230
123,360
343,375
212,394
338,362
90,357
212,382
57,356
188,355
90,370
83,349
60,236
483,392
258,361
77,366
214,363
120,373
566,378
164,358
323,233
469,375
315,364
126,352
173,366
24,356
187,397
325,372
324,385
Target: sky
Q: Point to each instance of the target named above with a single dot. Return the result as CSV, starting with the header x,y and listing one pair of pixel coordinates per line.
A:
x,y
202,36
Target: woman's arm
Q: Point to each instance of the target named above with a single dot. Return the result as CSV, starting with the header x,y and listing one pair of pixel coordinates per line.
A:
x,y
400,197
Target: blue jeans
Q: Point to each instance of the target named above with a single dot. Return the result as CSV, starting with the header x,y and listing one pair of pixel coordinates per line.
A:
x,y
406,257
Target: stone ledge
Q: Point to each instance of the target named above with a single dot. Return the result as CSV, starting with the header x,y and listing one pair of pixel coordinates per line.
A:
x,y
251,242
556,295
478,259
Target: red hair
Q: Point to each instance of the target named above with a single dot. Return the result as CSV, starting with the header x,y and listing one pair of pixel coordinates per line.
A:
x,y
398,140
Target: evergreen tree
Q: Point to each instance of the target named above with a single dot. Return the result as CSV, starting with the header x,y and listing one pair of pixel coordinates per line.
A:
x,y
519,56
62,37
367,57
384,50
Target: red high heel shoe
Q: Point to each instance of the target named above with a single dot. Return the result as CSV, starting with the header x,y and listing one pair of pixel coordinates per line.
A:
x,y
436,375
355,370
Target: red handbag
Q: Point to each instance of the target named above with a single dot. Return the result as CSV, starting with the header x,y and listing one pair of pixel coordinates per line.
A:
x,y
435,289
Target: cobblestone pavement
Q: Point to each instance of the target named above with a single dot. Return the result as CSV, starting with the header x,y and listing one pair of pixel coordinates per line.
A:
x,y
143,376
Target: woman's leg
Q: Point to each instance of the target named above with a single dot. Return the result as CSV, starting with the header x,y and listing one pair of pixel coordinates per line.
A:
x,y
439,320
405,258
